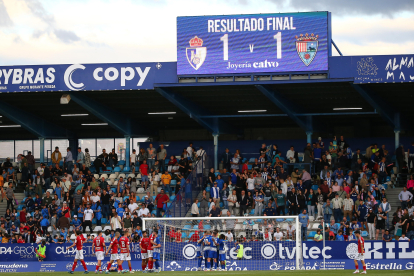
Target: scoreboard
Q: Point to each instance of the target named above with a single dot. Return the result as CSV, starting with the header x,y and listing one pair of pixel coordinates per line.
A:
x,y
259,43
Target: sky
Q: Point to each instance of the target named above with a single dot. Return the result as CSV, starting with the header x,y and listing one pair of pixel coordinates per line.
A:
x,y
109,31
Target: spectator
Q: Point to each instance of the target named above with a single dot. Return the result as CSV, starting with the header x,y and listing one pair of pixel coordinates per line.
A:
x,y
362,214
318,237
327,210
204,204
161,155
11,199
232,202
311,200
166,181
56,156
304,220
269,210
161,199
258,203
278,235
215,192
194,209
226,158
116,223
405,197
340,236
403,238
386,237
337,205
292,201
68,162
215,213
243,201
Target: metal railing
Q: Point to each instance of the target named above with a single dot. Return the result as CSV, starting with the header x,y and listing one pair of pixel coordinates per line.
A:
x,y
185,196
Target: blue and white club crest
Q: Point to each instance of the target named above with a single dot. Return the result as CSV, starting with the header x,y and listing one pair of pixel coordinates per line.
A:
x,y
307,47
196,54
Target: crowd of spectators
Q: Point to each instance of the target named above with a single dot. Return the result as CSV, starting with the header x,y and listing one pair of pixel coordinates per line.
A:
x,y
61,198
344,188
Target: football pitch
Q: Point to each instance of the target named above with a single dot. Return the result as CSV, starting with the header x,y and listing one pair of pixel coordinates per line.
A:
x,y
238,273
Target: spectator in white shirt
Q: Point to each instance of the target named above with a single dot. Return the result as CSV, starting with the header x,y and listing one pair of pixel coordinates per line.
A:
x,y
132,205
95,198
250,183
229,236
190,151
290,155
143,212
291,231
405,197
278,235
283,186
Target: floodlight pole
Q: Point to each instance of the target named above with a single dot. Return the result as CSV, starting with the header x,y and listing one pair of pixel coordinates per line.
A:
x,y
215,136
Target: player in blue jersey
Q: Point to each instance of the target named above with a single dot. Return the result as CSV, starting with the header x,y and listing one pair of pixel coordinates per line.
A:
x,y
212,254
156,245
222,251
200,251
206,242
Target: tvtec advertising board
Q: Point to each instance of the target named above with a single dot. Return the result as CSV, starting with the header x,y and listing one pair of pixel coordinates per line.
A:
x,y
256,256
259,43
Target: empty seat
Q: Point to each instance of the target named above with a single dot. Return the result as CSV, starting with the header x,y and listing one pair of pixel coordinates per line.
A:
x,y
121,175
141,190
241,234
112,176
117,169
311,234
131,175
107,228
97,228
104,175
104,221
72,237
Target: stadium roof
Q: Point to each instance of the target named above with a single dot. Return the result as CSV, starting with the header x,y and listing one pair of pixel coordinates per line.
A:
x,y
218,102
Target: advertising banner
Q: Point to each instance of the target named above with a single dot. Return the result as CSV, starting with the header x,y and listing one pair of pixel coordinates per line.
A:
x,y
257,256
75,77
373,69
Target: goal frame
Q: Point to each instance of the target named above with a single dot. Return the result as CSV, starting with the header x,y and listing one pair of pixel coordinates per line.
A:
x,y
298,238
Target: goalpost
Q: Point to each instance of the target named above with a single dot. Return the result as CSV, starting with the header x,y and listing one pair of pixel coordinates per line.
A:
x,y
255,235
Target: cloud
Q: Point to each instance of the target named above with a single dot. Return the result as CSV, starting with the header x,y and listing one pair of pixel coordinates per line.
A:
x,y
349,7
40,12
5,20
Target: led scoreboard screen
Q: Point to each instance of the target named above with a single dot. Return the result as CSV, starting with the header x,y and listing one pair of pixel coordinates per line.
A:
x,y
259,43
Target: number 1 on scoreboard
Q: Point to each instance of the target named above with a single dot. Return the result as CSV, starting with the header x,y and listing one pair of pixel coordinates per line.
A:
x,y
225,39
278,37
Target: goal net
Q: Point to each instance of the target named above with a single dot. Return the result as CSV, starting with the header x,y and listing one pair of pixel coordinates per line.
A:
x,y
228,243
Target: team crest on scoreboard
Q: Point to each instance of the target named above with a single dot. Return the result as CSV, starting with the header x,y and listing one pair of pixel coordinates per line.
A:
x,y
196,54
307,47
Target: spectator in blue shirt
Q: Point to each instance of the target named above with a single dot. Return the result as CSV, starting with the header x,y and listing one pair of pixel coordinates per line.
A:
x,y
233,176
120,211
63,233
81,210
44,223
97,210
45,212
362,214
304,220
220,182
225,175
337,172
58,190
269,210
77,223
340,237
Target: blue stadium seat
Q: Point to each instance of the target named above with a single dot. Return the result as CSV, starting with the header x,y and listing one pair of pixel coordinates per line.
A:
x,y
191,234
20,207
338,225
388,178
222,205
207,226
114,190
137,198
198,204
94,221
104,220
251,212
289,219
172,198
121,162
61,164
92,169
280,220
183,235
117,169
364,234
282,158
153,197
385,186
208,189
187,227
195,227
125,197
173,182
168,204
154,212
249,167
312,234
109,169
251,160
315,187
217,173
126,169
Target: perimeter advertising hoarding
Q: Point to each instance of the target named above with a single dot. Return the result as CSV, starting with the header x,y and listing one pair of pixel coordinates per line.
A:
x,y
257,255
258,43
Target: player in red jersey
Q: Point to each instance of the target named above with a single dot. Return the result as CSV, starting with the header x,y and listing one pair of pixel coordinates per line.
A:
x,y
125,252
79,251
114,252
144,249
99,247
149,252
361,253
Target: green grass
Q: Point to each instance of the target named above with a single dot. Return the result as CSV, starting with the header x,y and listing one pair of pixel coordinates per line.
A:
x,y
242,273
